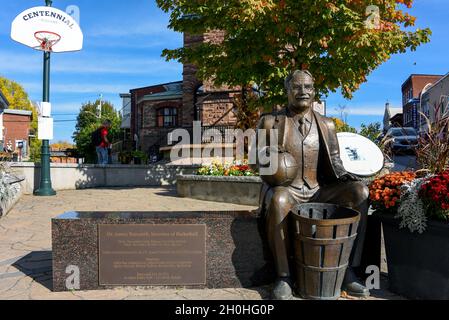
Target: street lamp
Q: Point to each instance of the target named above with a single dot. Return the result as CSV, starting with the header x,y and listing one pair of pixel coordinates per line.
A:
x,y
45,187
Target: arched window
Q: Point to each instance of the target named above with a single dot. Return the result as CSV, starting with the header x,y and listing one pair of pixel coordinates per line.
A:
x,y
167,117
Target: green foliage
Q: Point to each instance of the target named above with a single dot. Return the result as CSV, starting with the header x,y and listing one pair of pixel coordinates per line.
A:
x,y
264,40
18,100
35,150
140,155
88,122
432,152
371,131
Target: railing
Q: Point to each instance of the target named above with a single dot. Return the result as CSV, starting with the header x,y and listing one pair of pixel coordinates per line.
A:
x,y
217,134
224,137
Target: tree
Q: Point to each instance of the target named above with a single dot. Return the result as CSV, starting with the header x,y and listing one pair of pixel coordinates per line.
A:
x,y
18,100
371,131
62,145
248,109
88,121
264,40
341,126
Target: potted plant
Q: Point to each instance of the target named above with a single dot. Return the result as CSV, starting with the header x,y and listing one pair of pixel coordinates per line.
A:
x,y
414,210
125,157
139,157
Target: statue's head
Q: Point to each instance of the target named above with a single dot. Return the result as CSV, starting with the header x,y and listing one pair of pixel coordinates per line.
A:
x,y
300,90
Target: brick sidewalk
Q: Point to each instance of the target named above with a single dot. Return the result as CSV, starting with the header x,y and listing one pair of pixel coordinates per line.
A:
x,y
25,244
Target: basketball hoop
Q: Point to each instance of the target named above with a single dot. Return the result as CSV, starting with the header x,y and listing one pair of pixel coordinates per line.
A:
x,y
47,40
49,30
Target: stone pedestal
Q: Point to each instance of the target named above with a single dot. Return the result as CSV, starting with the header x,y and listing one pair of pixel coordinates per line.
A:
x,y
234,254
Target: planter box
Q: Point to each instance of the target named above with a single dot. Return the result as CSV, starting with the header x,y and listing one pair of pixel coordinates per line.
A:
x,y
238,190
418,264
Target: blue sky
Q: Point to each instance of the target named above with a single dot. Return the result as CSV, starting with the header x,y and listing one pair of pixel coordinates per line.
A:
x,y
123,41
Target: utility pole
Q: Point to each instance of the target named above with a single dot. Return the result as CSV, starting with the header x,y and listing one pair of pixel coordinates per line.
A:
x,y
101,105
45,187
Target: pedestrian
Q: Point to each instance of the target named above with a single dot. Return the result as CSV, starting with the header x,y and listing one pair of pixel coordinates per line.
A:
x,y
101,142
9,147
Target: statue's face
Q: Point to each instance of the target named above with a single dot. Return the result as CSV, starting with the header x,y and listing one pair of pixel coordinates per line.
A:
x,y
301,92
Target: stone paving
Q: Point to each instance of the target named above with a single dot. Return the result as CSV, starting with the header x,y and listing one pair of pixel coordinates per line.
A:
x,y
25,245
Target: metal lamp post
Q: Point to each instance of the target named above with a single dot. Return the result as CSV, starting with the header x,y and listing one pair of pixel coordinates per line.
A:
x,y
45,187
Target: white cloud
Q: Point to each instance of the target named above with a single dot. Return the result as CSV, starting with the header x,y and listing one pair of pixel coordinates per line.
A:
x,y
361,111
87,64
94,88
147,28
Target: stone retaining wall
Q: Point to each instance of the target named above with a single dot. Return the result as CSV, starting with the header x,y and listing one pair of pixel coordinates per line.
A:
x,y
75,176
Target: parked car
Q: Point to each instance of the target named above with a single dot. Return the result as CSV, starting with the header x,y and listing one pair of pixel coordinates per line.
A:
x,y
403,139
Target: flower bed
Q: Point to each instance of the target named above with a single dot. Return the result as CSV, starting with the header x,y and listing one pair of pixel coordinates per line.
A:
x,y
232,182
414,209
412,199
228,169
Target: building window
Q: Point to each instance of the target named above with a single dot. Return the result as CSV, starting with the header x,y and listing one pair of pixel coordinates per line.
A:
x,y
167,117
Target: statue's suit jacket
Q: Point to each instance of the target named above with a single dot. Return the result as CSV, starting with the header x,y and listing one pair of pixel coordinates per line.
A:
x,y
330,167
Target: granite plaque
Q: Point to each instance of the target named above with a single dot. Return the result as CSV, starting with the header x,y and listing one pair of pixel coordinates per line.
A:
x,y
148,254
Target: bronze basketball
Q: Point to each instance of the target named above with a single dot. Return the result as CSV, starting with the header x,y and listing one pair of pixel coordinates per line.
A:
x,y
287,169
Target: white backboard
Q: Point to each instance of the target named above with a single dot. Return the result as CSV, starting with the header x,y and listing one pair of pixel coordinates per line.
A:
x,y
38,19
360,155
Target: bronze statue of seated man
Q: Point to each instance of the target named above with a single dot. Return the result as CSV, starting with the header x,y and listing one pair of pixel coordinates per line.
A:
x,y
309,170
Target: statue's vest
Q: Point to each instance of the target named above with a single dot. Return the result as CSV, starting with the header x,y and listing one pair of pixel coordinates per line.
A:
x,y
307,149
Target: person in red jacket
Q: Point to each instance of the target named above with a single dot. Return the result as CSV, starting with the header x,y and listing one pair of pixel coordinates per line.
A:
x,y
102,148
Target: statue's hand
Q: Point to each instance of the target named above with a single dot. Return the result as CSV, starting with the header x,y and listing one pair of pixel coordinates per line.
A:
x,y
349,177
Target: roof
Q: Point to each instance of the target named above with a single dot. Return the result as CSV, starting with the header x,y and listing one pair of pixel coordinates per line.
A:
x,y
125,95
18,112
3,100
173,91
434,84
392,111
156,85
395,111
419,75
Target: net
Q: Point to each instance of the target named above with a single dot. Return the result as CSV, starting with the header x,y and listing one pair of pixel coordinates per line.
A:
x,y
47,40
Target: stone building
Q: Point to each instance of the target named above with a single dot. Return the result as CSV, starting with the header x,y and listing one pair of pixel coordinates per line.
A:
x,y
411,93
159,109
391,116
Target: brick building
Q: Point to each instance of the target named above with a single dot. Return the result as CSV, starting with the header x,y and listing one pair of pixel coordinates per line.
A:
x,y
156,110
411,97
15,132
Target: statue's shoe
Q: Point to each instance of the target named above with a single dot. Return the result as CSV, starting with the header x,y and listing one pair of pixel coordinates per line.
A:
x,y
355,289
282,290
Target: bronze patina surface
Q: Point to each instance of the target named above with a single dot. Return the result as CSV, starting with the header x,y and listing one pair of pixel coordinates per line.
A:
x,y
319,176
